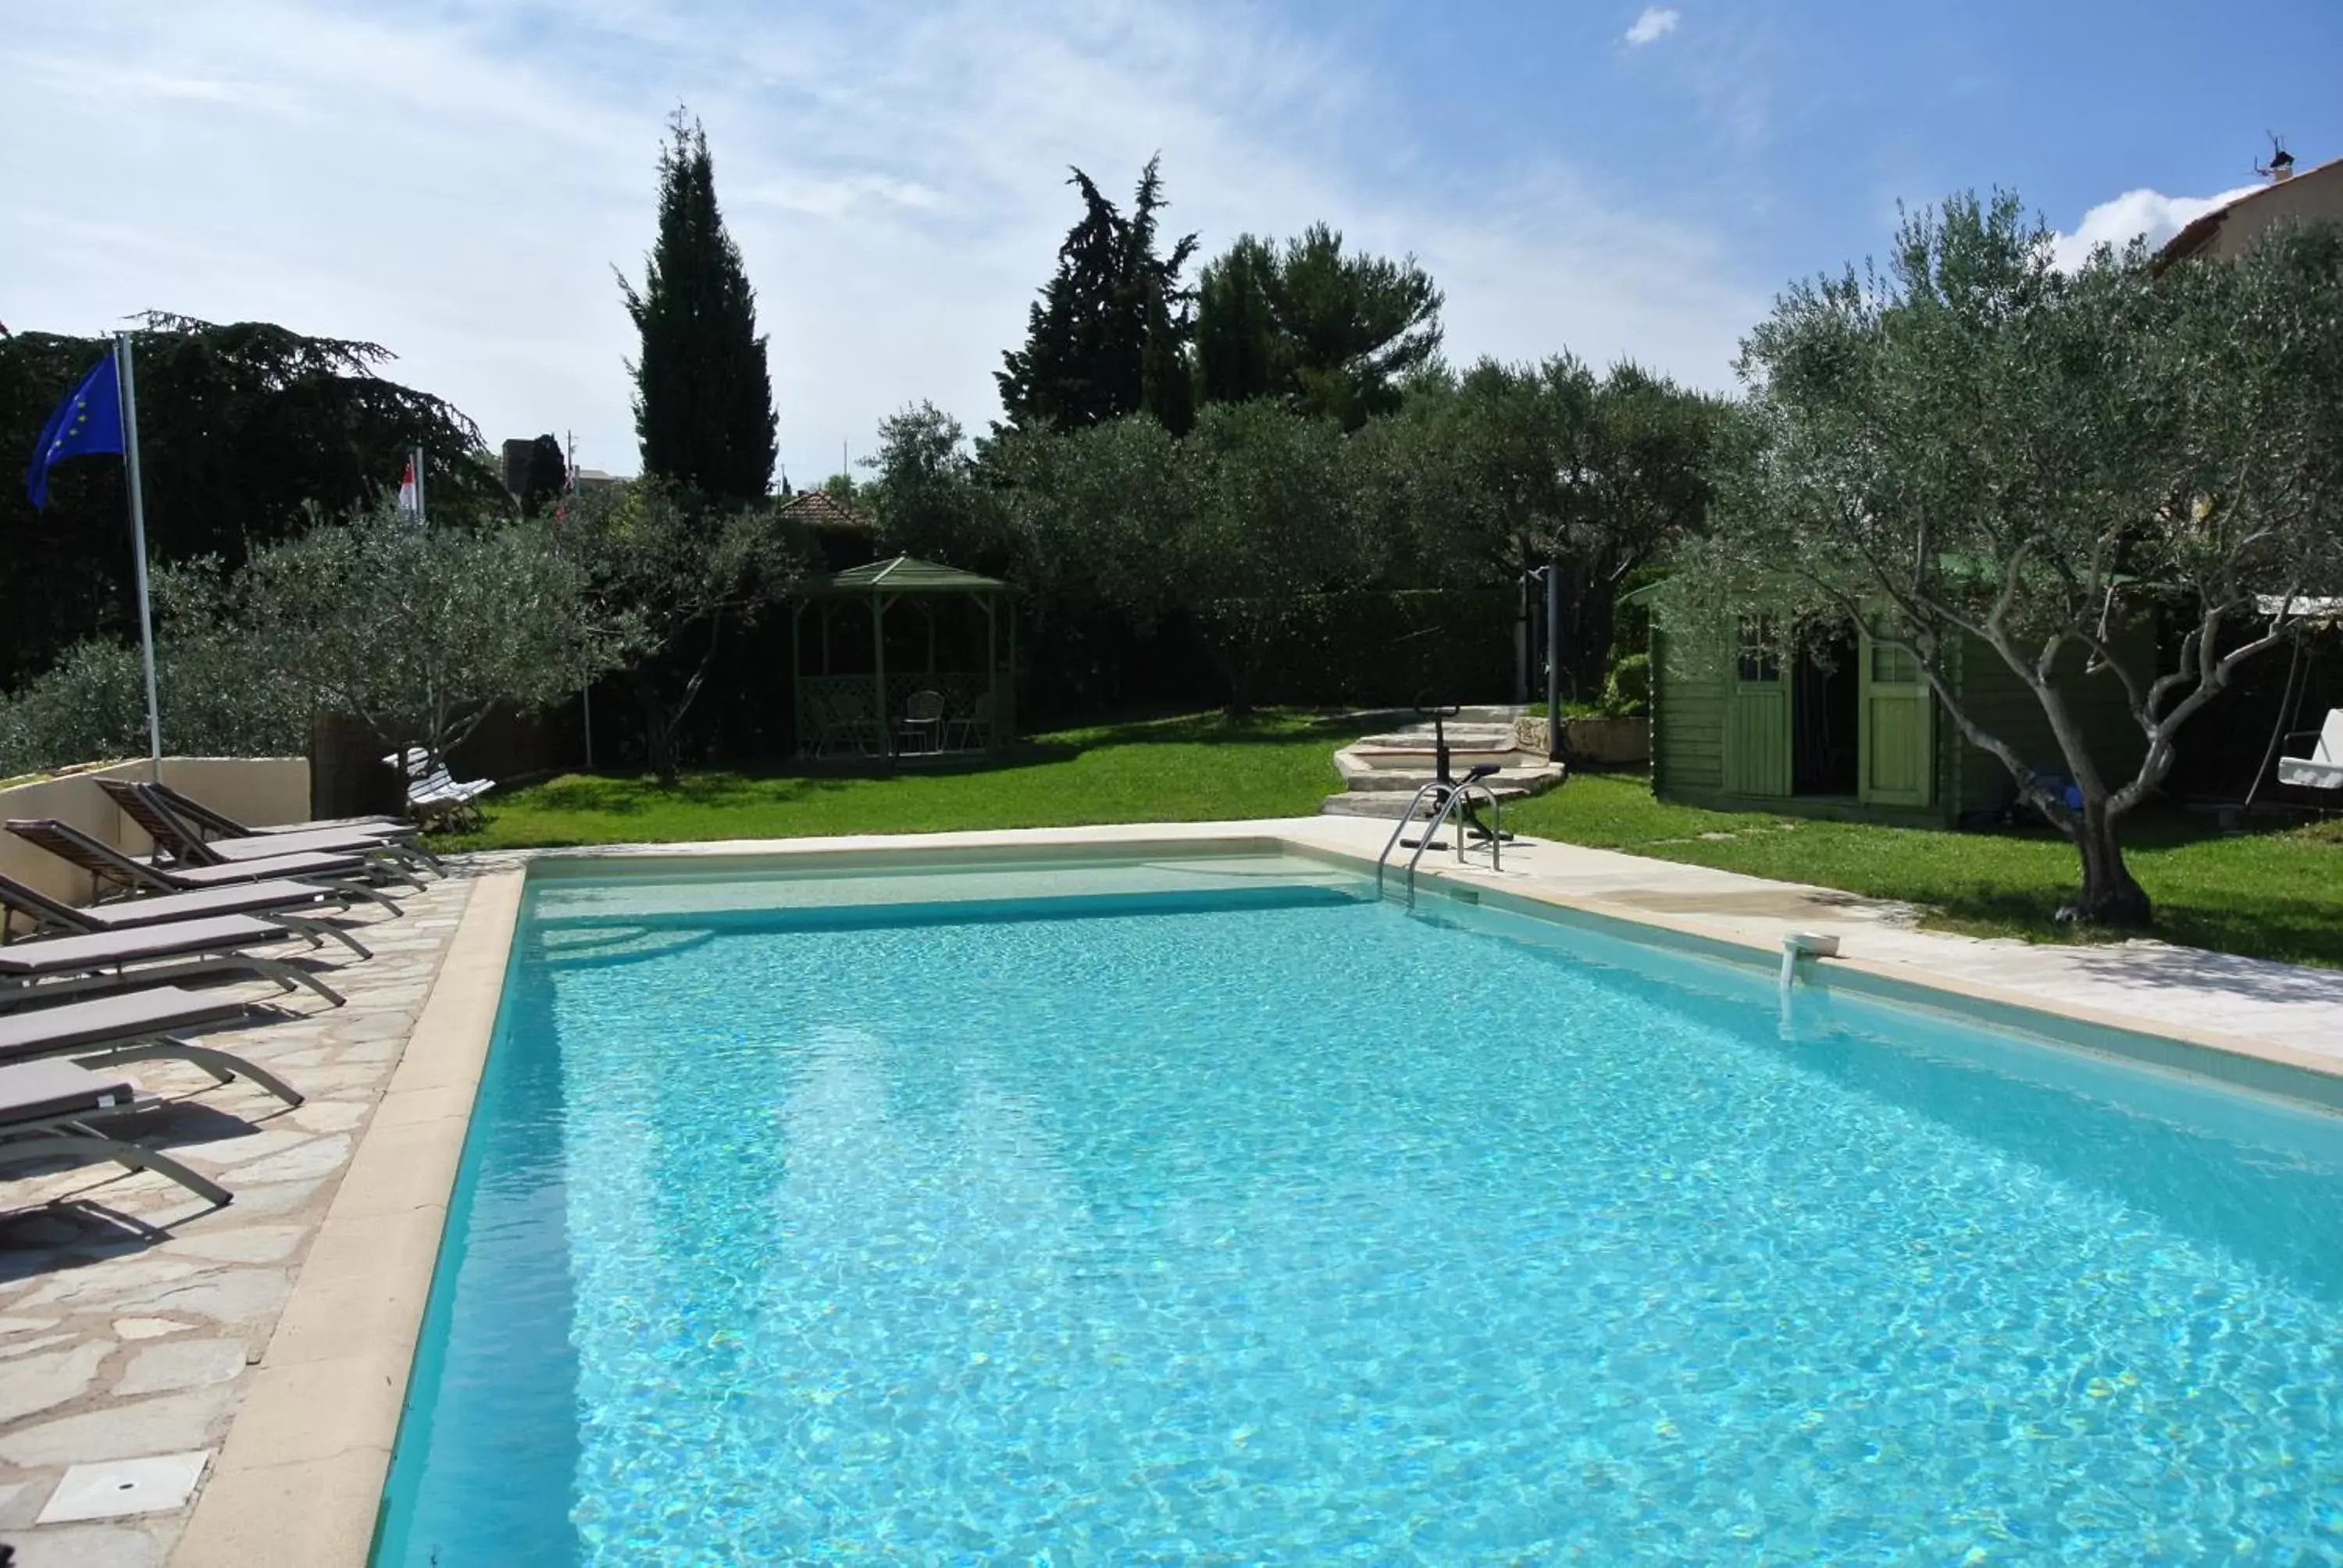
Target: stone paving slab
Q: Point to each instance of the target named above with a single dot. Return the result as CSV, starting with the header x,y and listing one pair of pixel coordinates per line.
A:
x,y
132,1314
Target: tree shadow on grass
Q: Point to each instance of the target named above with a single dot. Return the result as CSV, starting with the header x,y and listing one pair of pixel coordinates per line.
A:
x,y
2281,929
1279,727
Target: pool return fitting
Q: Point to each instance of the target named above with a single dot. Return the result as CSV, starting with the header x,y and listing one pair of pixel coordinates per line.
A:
x,y
1796,945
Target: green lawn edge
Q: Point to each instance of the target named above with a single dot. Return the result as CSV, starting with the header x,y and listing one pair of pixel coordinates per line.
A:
x,y
2276,894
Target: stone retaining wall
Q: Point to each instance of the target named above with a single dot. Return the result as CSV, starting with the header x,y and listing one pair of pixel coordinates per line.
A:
x,y
1604,742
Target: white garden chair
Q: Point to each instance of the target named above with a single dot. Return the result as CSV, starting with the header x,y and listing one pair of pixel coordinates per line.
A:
x,y
2323,769
431,791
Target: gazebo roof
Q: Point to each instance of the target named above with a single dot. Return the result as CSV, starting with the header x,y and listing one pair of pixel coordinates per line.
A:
x,y
902,575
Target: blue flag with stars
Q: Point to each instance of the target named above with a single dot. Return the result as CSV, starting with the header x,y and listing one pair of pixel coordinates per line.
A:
x,y
88,420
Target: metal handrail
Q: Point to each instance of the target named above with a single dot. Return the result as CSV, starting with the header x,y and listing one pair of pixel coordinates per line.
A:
x,y
1406,818
1459,793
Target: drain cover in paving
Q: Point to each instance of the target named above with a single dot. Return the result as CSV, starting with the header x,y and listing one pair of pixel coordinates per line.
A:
x,y
124,1486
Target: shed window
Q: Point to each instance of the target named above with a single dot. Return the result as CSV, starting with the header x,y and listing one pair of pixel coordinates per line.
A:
x,y
1892,666
1759,662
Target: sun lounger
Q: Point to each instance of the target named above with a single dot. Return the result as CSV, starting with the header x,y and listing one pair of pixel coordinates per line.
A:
x,y
298,907
108,864
135,1026
47,1112
219,824
185,843
36,970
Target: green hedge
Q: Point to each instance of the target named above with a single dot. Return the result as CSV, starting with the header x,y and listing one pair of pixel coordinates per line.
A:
x,y
1374,648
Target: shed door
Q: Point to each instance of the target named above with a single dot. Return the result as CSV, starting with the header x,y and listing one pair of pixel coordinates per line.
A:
x,y
1757,718
1898,733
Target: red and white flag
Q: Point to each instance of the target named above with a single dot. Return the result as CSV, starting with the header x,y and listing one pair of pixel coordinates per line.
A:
x,y
411,501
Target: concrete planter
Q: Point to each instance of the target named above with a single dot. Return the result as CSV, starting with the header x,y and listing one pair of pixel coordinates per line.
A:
x,y
1604,742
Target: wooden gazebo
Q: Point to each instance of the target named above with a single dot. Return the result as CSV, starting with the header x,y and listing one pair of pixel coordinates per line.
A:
x,y
894,687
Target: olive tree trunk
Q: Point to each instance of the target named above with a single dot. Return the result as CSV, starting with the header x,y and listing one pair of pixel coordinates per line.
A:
x,y
2110,897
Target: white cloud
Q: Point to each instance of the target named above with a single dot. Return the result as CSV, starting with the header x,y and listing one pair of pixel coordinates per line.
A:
x,y
2135,215
455,181
1655,23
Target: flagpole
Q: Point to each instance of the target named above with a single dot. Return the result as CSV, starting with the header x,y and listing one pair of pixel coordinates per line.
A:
x,y
129,391
416,459
569,488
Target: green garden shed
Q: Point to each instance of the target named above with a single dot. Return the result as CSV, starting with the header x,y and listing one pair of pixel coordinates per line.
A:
x,y
1847,729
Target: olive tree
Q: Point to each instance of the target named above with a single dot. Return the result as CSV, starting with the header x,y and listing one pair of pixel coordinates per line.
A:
x,y
931,499
215,699
1975,445
678,570
1274,518
421,632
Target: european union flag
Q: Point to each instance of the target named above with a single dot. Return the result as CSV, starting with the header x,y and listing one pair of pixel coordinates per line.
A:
x,y
88,420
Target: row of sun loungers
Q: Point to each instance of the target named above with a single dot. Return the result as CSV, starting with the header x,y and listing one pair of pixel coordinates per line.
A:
x,y
85,992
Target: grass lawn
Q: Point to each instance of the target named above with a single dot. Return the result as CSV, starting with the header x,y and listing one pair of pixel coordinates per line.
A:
x,y
2274,895
2277,895
1195,769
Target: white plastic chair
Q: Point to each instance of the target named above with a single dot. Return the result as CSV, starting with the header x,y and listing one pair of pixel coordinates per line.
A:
x,y
923,721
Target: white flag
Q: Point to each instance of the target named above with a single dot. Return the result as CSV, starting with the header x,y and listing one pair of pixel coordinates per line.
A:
x,y
409,502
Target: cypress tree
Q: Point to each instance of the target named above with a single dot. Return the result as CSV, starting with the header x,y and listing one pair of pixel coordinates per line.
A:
x,y
545,478
1108,335
703,393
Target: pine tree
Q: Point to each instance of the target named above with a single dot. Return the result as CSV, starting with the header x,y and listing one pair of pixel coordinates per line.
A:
x,y
703,392
1108,335
1332,334
1239,344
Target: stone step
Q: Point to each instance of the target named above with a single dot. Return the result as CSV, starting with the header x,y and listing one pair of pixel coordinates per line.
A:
x,y
1388,807
1408,781
1388,772
1382,773
1460,737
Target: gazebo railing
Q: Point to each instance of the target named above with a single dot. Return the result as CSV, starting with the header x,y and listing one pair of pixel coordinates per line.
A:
x,y
839,715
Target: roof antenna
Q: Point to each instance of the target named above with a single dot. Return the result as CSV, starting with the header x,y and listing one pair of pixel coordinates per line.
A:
x,y
2281,164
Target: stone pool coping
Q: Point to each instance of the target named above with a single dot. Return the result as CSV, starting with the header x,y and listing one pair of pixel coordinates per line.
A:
x,y
300,1478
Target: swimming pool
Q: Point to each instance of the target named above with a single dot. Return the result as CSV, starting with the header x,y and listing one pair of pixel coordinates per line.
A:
x,y
1210,1211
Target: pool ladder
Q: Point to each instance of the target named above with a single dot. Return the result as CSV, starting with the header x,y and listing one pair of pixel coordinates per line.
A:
x,y
1457,801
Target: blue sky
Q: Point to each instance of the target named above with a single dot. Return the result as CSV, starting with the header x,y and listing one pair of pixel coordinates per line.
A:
x,y
456,180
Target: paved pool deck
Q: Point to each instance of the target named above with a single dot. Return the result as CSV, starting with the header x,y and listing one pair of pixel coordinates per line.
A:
x,y
265,1345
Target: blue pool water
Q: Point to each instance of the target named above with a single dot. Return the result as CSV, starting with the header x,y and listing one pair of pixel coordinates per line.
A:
x,y
1271,1225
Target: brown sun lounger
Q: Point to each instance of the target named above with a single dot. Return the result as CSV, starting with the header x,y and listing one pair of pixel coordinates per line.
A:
x,y
47,1112
220,824
35,971
135,1026
298,907
184,841
108,864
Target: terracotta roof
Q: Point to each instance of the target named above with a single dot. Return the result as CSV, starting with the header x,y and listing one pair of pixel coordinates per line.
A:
x,y
820,510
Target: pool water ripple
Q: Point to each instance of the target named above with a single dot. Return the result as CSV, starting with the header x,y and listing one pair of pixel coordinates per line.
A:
x,y
1322,1233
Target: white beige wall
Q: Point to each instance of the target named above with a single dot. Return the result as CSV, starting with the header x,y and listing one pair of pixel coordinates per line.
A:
x,y
2312,195
258,790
